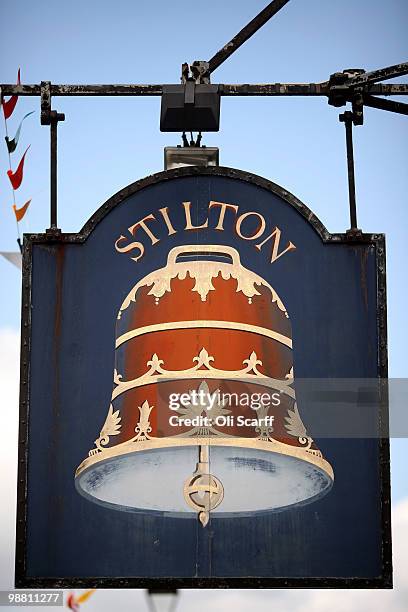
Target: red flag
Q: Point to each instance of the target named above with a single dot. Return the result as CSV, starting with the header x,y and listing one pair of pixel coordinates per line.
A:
x,y
72,603
20,212
17,176
10,104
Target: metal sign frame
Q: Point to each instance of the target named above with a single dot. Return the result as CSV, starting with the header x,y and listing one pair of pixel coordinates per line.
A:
x,y
378,243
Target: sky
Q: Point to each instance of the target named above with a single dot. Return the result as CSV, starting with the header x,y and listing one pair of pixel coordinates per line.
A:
x,y
107,143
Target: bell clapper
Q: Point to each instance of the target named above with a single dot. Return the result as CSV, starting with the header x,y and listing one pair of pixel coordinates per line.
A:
x,y
202,491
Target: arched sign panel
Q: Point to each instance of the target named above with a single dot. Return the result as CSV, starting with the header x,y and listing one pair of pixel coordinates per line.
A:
x,y
180,357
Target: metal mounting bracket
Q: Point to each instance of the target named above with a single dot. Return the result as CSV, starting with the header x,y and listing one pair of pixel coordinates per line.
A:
x,y
198,72
51,117
347,119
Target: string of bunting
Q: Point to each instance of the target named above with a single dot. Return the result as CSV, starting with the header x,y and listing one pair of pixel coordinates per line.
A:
x,y
16,176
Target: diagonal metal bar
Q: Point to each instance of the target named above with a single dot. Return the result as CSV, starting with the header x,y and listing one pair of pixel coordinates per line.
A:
x,y
381,89
382,74
246,32
388,105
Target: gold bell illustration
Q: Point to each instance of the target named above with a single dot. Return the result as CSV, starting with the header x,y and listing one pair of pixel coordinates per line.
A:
x,y
203,419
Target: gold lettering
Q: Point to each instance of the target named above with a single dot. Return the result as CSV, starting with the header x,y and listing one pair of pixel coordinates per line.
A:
x,y
259,231
130,247
122,244
276,234
223,208
144,227
165,215
189,225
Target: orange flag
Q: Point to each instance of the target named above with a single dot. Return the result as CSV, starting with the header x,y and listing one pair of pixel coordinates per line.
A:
x,y
10,104
20,212
17,176
74,602
85,596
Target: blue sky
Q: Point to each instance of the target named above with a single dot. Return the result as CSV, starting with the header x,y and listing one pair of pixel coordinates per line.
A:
x,y
298,143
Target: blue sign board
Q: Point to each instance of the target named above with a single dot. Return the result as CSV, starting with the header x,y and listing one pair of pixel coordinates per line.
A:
x,y
165,439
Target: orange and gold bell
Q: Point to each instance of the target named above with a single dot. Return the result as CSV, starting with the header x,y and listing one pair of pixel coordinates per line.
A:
x,y
203,419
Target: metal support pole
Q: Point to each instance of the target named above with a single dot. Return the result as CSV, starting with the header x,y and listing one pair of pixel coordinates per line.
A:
x,y
246,32
347,119
255,89
51,118
389,105
53,175
54,117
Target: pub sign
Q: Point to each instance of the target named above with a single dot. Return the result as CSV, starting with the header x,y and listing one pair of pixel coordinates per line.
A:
x,y
164,441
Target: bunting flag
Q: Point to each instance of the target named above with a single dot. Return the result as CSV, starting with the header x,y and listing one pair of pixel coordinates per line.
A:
x,y
82,598
17,176
10,104
12,144
73,602
13,257
20,212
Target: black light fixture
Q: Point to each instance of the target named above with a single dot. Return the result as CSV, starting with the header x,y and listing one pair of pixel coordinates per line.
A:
x,y
193,106
190,108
